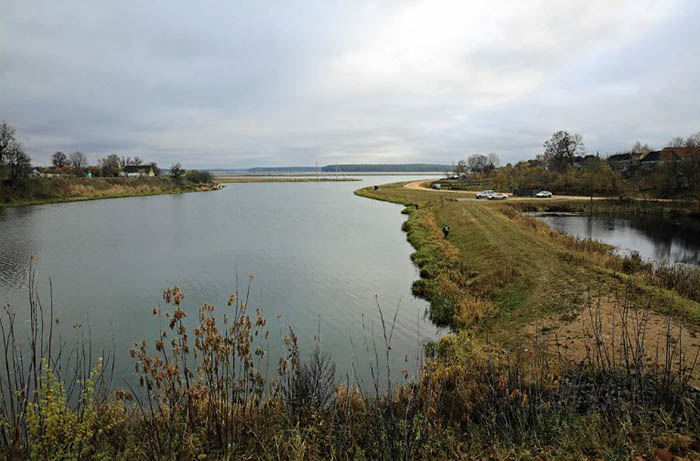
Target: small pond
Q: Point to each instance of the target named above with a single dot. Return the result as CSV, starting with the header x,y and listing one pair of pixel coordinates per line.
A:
x,y
660,239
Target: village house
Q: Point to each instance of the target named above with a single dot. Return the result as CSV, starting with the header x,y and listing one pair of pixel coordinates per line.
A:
x,y
669,154
136,171
627,163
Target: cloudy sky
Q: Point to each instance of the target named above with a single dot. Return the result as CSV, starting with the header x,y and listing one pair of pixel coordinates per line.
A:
x,y
261,83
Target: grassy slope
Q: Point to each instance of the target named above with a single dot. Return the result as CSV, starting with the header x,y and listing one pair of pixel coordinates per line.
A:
x,y
500,272
38,191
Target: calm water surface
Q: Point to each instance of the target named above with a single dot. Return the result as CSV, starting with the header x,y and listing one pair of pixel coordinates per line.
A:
x,y
318,253
671,240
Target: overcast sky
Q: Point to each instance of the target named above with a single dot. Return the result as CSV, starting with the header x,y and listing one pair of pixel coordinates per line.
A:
x,y
261,83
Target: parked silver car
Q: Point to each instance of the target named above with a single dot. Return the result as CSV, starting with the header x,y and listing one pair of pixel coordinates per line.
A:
x,y
498,196
543,194
485,194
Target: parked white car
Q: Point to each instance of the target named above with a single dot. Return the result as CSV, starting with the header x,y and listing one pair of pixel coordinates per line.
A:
x,y
543,194
485,194
497,196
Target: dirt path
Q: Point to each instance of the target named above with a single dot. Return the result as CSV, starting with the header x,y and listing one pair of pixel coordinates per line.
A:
x,y
418,185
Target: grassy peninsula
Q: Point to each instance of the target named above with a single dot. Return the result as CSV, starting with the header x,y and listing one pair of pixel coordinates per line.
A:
x,y
37,191
514,268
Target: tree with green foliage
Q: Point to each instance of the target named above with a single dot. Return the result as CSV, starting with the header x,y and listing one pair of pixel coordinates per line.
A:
x,y
198,177
111,165
176,171
461,169
560,150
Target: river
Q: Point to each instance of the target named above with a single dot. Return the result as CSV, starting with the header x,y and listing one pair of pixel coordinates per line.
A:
x,y
319,255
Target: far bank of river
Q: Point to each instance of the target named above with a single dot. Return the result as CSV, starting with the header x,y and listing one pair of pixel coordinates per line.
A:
x,y
41,191
255,179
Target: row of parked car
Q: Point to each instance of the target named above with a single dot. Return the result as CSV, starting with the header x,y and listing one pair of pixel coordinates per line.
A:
x,y
489,194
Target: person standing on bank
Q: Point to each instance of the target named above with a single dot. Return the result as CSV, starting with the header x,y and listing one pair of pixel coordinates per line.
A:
x,y
446,230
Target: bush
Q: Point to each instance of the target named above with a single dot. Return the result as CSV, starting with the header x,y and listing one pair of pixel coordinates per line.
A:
x,y
199,177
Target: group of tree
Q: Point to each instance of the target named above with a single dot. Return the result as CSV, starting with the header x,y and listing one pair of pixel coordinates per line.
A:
x,y
15,164
563,168
590,176
113,164
691,141
477,164
77,161
178,173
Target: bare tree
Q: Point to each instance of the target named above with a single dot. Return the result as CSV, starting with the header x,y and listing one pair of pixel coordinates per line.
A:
x,y
693,140
560,150
78,160
493,160
18,161
7,138
677,142
59,159
479,163
12,153
128,161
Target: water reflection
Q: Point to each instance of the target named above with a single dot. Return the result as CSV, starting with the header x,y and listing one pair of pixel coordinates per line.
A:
x,y
675,240
16,246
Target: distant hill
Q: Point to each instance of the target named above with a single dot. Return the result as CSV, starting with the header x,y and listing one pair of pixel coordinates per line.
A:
x,y
382,167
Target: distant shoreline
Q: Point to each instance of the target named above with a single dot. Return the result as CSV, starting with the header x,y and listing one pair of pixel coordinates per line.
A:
x,y
295,178
219,175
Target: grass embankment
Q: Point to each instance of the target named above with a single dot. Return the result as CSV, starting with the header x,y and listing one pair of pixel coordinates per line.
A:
x,y
504,276
617,206
37,191
233,179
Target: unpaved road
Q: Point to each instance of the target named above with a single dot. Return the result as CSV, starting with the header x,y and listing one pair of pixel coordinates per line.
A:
x,y
468,195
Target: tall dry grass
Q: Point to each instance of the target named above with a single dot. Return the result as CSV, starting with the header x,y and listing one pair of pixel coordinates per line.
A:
x,y
204,392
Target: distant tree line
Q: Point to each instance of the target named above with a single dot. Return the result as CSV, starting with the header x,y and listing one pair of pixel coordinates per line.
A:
x,y
691,141
387,167
563,167
15,164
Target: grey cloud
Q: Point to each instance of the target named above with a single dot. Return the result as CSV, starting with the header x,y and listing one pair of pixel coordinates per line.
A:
x,y
231,84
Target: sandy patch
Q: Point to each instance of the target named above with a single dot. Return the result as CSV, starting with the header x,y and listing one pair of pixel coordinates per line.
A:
x,y
608,332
